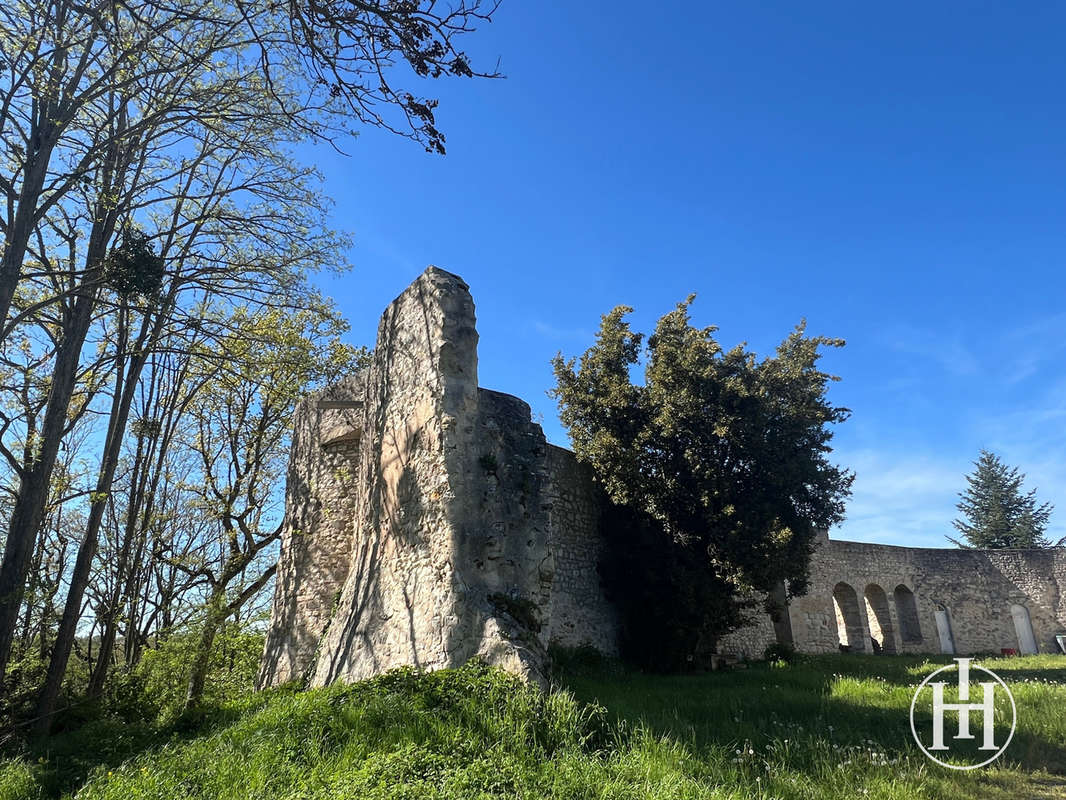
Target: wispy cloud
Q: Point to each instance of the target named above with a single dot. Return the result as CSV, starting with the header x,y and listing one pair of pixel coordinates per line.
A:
x,y
1007,356
901,499
909,498
952,354
1033,346
550,331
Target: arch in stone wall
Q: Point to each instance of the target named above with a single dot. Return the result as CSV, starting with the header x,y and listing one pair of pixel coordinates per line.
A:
x,y
850,628
877,611
1023,626
910,626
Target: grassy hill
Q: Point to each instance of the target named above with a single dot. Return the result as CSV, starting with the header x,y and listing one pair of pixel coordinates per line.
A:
x,y
832,727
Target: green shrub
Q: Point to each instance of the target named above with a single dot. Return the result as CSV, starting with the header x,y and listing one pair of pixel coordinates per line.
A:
x,y
469,732
158,685
17,781
829,728
779,651
670,601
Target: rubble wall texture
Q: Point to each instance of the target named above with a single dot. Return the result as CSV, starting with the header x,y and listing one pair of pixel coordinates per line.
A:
x,y
861,593
580,613
316,537
445,514
428,521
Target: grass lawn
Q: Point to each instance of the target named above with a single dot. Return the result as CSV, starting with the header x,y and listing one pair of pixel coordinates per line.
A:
x,y
826,727
834,726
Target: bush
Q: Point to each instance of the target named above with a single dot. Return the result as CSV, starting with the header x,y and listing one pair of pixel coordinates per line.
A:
x,y
779,651
581,660
459,733
17,781
159,682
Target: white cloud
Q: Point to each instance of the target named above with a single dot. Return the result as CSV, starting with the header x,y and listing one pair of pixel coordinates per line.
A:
x,y
909,498
904,499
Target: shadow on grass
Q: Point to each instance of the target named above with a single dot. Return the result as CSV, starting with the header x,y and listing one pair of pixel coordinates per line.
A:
x,y
809,703
82,745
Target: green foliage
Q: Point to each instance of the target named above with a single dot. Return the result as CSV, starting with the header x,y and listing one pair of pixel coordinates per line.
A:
x,y
828,728
156,688
470,732
726,455
134,268
996,512
670,599
779,651
17,781
25,676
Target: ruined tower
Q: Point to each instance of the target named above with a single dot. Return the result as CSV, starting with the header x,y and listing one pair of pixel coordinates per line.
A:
x,y
421,512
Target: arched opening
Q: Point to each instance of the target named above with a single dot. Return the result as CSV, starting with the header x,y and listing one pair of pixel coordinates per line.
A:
x,y
882,637
1023,626
779,615
943,629
910,627
850,630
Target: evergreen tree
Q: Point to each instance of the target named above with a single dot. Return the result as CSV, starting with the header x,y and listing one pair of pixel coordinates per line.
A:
x,y
996,514
722,461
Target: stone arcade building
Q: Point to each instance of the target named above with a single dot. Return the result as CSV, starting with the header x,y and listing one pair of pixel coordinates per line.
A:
x,y
428,521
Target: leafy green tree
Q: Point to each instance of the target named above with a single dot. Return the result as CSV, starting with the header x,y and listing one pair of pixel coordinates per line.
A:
x,y
726,456
173,122
243,418
996,514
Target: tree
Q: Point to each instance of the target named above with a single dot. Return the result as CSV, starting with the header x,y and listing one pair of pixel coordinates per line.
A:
x,y
162,132
726,456
64,59
995,512
113,115
241,436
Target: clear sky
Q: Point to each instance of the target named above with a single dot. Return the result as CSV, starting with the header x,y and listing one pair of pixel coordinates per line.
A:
x,y
896,175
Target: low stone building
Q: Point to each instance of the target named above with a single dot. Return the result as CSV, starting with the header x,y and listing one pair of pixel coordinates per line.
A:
x,y
428,521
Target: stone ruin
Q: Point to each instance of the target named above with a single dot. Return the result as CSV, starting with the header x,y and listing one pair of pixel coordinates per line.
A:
x,y
428,521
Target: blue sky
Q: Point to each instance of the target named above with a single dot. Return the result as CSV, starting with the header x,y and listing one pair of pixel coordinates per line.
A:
x,y
895,175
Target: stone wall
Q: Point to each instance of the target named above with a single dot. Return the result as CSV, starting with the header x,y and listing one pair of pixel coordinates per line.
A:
x,y
427,548
881,598
316,538
444,513
580,614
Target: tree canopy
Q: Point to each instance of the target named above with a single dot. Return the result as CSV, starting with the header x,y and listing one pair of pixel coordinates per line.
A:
x,y
725,455
996,513
158,236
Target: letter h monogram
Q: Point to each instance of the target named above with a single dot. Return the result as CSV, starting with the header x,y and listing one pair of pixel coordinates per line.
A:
x,y
988,706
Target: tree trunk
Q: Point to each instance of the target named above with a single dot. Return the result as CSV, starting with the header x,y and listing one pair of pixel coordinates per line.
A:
x,y
27,514
18,238
125,386
123,581
202,659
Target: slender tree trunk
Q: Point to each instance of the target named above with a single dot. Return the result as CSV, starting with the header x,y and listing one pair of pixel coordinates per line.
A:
x,y
123,581
28,511
125,385
202,659
22,224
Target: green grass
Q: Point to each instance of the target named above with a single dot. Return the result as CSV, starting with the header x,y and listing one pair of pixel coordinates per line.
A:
x,y
832,727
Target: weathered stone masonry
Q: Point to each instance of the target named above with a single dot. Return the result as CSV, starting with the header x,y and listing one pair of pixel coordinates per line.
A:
x,y
428,521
